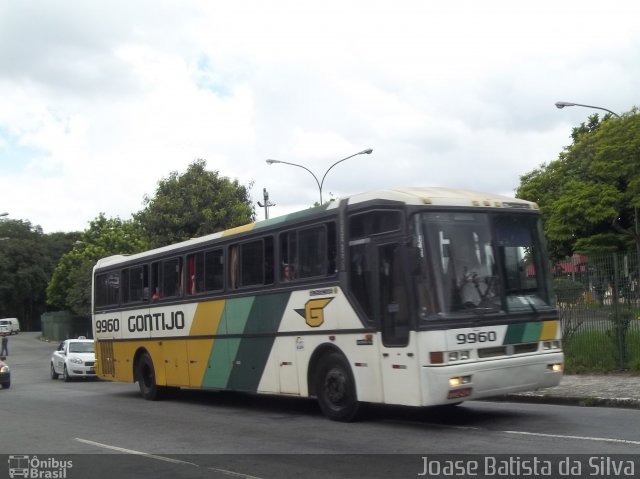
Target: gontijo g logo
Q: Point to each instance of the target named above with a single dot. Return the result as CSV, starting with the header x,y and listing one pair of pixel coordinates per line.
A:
x,y
313,311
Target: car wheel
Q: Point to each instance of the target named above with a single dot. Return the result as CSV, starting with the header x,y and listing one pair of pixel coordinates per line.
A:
x,y
335,389
146,377
6,385
54,374
65,375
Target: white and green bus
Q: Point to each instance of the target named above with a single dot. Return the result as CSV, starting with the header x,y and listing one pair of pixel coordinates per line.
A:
x,y
414,296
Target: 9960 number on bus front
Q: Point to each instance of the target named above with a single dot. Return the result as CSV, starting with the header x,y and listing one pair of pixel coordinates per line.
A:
x,y
481,337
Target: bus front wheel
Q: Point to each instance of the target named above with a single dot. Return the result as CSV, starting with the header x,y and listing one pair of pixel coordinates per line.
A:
x,y
146,377
335,389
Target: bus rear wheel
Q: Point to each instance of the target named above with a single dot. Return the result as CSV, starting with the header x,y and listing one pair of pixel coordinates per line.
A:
x,y
335,389
146,377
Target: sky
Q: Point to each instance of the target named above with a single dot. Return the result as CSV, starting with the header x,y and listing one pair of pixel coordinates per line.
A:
x,y
99,101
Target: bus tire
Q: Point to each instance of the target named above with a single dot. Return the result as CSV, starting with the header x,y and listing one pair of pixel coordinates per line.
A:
x,y
335,388
146,377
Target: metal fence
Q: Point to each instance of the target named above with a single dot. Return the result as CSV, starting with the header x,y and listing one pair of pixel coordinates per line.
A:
x,y
599,301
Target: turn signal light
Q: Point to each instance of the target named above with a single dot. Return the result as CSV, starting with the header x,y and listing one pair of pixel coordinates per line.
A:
x,y
436,357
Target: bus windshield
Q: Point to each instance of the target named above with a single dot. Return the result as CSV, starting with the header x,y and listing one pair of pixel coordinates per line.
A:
x,y
482,263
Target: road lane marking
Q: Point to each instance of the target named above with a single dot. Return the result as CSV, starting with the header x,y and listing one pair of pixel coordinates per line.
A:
x,y
581,438
540,434
163,458
233,474
132,451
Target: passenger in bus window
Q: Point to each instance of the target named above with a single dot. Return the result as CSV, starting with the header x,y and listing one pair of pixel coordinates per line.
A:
x,y
288,272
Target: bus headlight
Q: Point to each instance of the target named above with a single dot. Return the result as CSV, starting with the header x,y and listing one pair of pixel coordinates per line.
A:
x,y
459,380
555,368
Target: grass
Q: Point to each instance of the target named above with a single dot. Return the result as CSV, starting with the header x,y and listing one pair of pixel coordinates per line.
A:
x,y
597,352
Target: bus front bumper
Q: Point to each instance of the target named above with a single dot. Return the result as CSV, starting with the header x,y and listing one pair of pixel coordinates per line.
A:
x,y
482,379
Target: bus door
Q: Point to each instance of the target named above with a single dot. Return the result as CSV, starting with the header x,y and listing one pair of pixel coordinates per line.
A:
x,y
399,360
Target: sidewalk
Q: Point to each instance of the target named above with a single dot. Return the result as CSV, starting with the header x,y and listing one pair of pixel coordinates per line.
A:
x,y
607,390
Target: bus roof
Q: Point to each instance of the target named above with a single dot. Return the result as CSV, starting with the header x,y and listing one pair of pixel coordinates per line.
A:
x,y
440,196
419,196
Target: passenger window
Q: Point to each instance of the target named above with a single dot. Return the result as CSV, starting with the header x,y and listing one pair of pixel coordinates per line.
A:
x,y
257,262
107,289
308,253
312,247
214,270
166,278
172,277
135,284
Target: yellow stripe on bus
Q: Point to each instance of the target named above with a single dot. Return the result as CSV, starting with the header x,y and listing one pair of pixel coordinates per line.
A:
x,y
239,229
207,318
549,330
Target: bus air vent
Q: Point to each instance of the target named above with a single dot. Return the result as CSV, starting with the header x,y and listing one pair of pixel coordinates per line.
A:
x,y
492,352
525,348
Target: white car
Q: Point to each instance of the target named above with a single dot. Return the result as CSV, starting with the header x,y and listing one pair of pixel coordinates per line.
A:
x,y
74,358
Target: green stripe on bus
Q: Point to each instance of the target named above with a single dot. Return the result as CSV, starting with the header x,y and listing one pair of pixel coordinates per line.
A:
x,y
253,352
238,363
224,350
523,333
531,332
219,368
236,312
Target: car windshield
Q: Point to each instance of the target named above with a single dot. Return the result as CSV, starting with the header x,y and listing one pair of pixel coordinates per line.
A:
x,y
482,263
77,347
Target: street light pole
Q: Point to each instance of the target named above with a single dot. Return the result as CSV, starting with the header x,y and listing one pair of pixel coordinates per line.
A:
x,y
562,104
320,184
368,151
271,162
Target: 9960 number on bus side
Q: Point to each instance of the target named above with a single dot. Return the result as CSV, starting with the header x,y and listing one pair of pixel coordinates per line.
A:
x,y
481,337
108,325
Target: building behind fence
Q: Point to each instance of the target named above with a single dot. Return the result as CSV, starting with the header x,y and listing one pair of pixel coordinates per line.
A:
x,y
599,302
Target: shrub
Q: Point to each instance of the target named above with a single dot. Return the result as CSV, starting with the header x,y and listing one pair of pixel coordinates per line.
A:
x,y
568,291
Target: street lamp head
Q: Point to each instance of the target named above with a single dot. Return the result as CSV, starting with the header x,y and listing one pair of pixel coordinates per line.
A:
x,y
368,151
4,214
270,162
562,104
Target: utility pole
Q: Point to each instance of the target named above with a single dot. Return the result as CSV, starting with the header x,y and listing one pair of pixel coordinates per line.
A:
x,y
266,204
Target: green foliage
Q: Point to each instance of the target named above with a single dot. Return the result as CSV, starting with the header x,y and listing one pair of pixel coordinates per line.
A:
x,y
599,243
70,285
193,204
24,270
568,291
196,203
589,194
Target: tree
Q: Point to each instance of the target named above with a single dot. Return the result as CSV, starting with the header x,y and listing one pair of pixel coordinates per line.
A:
x,y
70,285
590,195
196,203
24,270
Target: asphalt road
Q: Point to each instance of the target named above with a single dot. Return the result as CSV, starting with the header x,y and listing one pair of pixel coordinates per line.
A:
x,y
108,429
